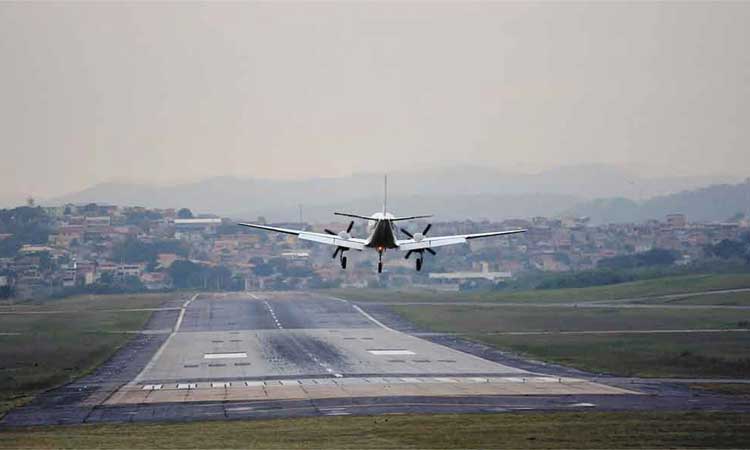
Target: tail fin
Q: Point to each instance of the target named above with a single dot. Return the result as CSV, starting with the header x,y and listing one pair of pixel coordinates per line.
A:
x,y
385,194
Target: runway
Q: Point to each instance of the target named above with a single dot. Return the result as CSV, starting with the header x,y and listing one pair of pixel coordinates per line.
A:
x,y
299,354
266,346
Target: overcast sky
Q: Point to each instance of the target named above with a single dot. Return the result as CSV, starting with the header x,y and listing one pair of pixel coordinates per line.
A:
x,y
174,92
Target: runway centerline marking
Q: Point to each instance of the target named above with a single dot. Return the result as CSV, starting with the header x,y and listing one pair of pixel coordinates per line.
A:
x,y
273,315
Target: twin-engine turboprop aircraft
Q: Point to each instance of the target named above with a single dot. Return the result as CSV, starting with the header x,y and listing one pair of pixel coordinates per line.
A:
x,y
382,236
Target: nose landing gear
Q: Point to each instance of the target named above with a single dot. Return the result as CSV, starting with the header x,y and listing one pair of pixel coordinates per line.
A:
x,y
380,261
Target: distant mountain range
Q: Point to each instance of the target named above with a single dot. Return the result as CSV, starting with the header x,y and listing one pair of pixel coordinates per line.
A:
x,y
452,193
712,203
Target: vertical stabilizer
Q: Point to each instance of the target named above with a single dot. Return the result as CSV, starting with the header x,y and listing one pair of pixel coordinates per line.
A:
x,y
385,194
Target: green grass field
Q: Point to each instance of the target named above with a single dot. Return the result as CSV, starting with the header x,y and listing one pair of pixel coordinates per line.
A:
x,y
481,431
725,299
489,319
44,350
647,354
86,302
736,389
636,289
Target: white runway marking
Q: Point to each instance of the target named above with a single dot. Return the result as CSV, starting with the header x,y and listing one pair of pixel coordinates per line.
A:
x,y
273,315
391,352
225,355
411,380
158,353
372,319
446,380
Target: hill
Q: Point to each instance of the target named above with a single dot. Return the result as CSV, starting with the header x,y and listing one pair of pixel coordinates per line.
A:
x,y
712,203
451,193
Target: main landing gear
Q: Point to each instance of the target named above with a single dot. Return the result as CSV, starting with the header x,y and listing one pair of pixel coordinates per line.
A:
x,y
340,253
419,237
340,250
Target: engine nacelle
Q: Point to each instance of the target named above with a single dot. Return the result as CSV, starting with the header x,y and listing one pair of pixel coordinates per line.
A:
x,y
345,235
418,237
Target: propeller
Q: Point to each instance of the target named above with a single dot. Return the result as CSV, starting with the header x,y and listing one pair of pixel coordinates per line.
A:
x,y
417,238
429,250
343,235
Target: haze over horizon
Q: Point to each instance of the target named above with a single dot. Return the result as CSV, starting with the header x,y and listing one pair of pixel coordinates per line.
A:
x,y
168,93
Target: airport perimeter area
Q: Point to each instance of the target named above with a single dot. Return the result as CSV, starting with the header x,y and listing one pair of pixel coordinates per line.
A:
x,y
297,354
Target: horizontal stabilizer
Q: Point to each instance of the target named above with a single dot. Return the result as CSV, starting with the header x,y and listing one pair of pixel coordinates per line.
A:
x,y
425,216
355,216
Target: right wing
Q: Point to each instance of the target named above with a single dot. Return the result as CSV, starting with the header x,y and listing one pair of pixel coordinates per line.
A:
x,y
322,238
440,241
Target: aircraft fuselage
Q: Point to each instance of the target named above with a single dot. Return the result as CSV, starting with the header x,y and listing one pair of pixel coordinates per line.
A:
x,y
382,232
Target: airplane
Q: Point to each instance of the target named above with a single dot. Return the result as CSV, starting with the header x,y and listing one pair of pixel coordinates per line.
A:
x,y
382,236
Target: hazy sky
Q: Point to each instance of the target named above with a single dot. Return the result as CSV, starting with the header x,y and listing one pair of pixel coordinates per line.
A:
x,y
173,92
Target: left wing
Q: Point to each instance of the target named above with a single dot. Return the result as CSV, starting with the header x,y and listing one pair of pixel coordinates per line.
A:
x,y
440,241
329,239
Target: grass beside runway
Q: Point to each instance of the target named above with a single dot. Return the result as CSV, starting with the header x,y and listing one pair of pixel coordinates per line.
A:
x,y
726,299
88,302
41,351
736,389
480,319
646,288
689,354
647,355
527,430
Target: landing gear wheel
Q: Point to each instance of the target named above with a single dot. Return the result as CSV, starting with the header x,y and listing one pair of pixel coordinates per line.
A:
x,y
343,262
419,264
380,267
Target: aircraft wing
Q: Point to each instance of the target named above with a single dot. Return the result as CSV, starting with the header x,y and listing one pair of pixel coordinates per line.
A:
x,y
321,238
440,241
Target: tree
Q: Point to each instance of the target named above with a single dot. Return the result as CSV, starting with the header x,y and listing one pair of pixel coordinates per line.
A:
x,y
26,225
729,249
186,274
263,270
184,213
655,257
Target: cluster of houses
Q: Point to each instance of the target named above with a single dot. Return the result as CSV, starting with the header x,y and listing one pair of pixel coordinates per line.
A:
x,y
86,242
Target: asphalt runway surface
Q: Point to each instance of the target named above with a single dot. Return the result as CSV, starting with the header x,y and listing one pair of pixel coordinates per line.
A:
x,y
296,354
